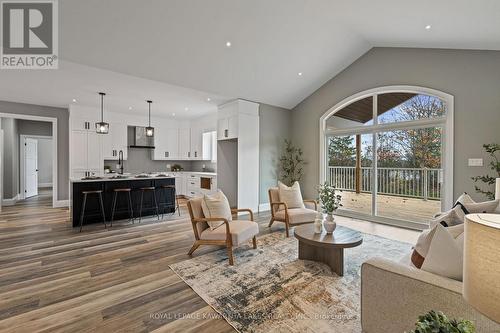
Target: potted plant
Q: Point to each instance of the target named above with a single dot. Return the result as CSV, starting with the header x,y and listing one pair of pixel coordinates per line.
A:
x,y
330,201
437,322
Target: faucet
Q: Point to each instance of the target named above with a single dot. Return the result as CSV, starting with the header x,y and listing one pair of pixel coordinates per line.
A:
x,y
120,161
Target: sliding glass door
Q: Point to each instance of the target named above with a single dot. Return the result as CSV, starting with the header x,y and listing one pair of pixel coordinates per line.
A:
x,y
386,153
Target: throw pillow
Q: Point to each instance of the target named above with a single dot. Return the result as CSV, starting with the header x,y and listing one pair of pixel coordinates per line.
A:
x,y
291,195
450,218
469,206
216,206
446,250
445,255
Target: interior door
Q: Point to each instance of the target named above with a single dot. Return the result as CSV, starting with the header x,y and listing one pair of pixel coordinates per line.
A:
x,y
31,168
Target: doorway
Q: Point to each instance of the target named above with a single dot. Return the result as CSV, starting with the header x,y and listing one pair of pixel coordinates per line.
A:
x,y
28,160
35,165
389,150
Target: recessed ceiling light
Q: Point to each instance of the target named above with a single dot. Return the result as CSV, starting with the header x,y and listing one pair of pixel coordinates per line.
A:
x,y
74,100
173,114
428,27
228,44
208,99
299,73
186,109
130,108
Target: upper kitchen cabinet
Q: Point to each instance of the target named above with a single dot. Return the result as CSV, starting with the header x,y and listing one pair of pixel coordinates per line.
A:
x,y
185,144
196,143
229,118
210,146
115,141
166,144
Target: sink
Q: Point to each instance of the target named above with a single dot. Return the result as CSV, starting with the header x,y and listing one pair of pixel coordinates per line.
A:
x,y
118,177
91,178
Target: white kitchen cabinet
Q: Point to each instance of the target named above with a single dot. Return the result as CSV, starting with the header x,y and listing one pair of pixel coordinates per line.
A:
x,y
86,154
166,144
196,143
185,143
115,141
180,184
82,123
227,122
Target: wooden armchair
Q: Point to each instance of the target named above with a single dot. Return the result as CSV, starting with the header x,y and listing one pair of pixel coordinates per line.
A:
x,y
231,233
290,216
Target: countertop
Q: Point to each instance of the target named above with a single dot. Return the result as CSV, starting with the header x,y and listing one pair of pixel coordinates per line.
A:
x,y
109,177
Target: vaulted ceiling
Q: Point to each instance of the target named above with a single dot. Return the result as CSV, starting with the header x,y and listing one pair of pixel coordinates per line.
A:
x,y
175,51
183,42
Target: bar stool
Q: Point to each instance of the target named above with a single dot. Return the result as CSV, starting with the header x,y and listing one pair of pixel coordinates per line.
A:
x,y
82,215
148,189
167,204
129,203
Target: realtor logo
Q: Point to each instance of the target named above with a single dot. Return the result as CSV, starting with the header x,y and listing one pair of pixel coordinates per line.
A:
x,y
29,35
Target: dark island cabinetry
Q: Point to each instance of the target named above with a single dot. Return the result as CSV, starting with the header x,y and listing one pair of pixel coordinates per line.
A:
x,y
93,211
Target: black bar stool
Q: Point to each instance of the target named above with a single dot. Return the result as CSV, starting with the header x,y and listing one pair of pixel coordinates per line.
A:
x,y
169,189
148,189
129,203
82,215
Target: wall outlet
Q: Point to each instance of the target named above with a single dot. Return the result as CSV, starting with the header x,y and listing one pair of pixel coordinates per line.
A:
x,y
203,166
168,167
475,162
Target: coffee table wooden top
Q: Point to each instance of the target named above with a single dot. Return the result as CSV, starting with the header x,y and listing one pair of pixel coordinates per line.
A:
x,y
342,237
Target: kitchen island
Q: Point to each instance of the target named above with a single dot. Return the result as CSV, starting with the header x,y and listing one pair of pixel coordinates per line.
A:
x,y
107,185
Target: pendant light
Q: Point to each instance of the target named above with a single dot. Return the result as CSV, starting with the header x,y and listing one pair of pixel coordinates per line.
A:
x,y
102,127
150,131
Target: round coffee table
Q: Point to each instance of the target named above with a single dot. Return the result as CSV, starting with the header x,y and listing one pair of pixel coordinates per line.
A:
x,y
326,248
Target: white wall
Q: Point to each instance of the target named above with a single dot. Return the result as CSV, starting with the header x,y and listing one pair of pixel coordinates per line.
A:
x,y
45,162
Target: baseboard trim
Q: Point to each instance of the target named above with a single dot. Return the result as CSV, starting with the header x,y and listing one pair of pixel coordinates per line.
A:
x,y
61,203
11,201
44,185
264,207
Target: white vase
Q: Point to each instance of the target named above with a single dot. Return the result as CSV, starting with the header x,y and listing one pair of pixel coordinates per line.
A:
x,y
329,223
318,223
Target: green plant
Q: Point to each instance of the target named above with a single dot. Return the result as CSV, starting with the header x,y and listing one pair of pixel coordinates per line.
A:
x,y
492,150
291,164
329,199
437,322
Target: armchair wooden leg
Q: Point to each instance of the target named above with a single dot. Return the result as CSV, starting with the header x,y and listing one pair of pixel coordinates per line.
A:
x,y
270,223
193,248
287,229
254,241
230,255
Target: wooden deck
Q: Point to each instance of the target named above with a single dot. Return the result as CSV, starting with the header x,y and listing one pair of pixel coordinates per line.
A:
x,y
401,208
55,279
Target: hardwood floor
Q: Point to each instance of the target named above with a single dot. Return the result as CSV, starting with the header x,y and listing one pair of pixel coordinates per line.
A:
x,y
55,279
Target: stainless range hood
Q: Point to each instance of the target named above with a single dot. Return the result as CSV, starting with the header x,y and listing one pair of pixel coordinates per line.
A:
x,y
138,138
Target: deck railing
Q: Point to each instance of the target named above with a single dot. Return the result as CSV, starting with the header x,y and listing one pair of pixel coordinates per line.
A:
x,y
421,183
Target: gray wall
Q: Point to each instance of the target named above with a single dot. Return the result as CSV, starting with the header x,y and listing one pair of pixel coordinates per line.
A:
x,y
275,123
30,127
139,160
472,77
44,161
11,158
62,116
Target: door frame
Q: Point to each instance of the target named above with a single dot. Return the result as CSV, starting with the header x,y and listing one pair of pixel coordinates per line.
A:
x,y
55,140
447,145
22,162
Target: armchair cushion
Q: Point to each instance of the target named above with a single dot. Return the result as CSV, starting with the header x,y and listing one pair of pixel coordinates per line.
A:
x,y
216,206
291,195
241,231
297,215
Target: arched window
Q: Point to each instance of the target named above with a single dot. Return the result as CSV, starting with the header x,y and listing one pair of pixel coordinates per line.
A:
x,y
390,151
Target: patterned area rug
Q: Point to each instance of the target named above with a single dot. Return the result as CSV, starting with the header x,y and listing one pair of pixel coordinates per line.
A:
x,y
270,290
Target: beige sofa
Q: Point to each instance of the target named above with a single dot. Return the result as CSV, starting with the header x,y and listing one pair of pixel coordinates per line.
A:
x,y
394,294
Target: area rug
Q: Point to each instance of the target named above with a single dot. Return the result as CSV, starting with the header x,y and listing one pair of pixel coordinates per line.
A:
x,y
270,290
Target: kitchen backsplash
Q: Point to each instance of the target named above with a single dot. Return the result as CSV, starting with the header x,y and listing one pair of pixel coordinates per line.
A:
x,y
139,160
